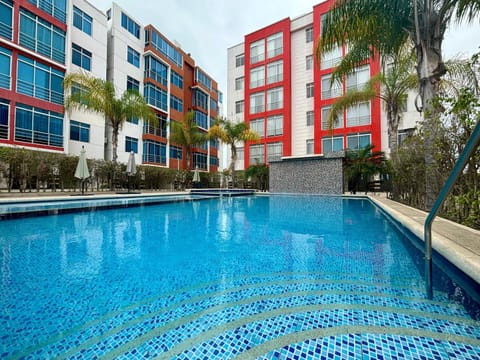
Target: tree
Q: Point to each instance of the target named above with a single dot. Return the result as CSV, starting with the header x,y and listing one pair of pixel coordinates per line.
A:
x,y
361,165
230,133
98,95
379,27
395,82
187,134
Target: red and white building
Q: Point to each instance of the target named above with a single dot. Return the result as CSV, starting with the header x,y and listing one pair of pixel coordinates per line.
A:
x,y
276,85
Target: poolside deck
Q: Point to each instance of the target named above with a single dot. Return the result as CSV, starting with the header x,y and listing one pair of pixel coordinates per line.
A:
x,y
457,243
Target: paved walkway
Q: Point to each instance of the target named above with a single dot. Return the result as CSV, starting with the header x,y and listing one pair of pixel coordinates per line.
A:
x,y
458,243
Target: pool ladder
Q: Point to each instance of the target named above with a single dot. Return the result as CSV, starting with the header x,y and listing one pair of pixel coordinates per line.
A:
x,y
470,147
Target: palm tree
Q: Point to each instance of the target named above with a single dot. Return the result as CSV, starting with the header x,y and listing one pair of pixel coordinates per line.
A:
x,y
361,165
395,82
379,27
187,134
98,95
230,133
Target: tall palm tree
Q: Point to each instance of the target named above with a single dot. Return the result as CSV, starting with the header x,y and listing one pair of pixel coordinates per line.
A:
x,y
395,83
187,134
98,95
379,27
231,133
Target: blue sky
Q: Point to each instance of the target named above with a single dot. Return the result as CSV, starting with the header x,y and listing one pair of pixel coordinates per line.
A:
x,y
206,28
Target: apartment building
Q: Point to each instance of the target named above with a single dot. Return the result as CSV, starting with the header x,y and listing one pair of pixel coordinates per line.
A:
x,y
276,85
42,40
142,58
33,62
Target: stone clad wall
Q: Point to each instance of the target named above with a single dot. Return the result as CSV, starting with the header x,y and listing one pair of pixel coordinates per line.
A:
x,y
312,175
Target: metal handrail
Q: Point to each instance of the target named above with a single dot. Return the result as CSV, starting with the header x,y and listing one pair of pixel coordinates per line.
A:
x,y
470,147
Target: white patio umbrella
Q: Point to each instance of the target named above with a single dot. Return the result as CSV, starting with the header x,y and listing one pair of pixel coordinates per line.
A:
x,y
82,172
196,177
131,167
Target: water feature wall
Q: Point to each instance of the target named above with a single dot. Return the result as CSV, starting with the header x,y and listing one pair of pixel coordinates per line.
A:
x,y
308,175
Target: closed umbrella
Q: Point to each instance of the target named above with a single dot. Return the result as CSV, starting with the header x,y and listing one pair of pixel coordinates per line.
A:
x,y
196,176
131,168
82,172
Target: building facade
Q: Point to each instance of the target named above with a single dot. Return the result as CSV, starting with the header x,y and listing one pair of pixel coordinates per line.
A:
x,y
276,85
42,40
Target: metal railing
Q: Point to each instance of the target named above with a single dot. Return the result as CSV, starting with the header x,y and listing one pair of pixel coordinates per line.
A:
x,y
470,147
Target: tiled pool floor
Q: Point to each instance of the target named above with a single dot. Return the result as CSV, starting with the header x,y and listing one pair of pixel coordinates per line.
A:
x,y
276,316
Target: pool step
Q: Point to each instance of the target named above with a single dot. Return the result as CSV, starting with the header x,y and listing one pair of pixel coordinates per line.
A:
x,y
156,326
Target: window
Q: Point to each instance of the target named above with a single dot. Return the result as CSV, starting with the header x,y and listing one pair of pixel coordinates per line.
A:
x,y
156,70
275,45
5,66
257,103
310,119
275,72
274,151
310,149
4,117
176,79
214,161
131,26
40,36
358,114
359,78
79,131
81,57
38,126
213,105
159,129
82,21
133,57
176,152
257,154
337,121
176,103
310,90
201,119
155,96
131,144
258,125
309,62
6,22
332,144
331,58
403,135
202,78
56,8
240,153
132,120
330,90
309,35
133,84
200,99
275,98
239,106
257,51
39,81
239,82
200,160
239,60
154,152
358,141
275,125
257,77
162,45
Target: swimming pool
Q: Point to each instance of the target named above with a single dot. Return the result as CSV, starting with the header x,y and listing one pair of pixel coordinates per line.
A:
x,y
251,277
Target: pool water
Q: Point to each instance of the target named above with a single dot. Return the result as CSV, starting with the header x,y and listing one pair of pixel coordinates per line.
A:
x,y
267,277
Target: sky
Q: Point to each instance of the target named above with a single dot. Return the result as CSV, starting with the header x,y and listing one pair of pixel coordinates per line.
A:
x,y
207,28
